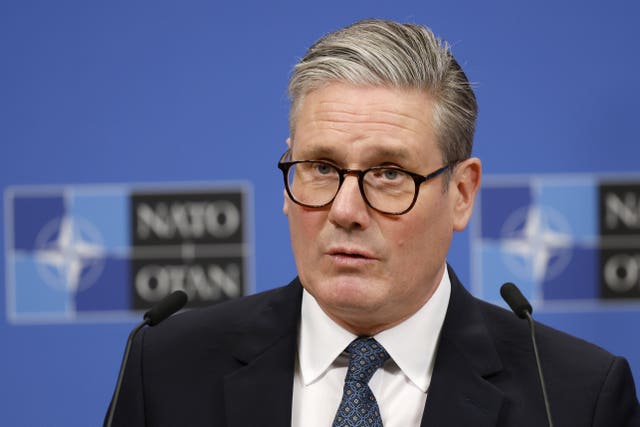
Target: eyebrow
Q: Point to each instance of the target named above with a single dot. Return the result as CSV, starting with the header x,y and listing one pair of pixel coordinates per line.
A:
x,y
379,154
316,152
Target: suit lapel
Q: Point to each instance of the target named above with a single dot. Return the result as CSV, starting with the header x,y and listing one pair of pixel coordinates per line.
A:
x,y
260,392
459,394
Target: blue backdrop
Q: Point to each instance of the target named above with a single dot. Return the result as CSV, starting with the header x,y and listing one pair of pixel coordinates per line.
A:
x,y
127,92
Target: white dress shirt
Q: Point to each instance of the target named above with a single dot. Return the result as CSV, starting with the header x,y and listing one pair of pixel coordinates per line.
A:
x,y
400,386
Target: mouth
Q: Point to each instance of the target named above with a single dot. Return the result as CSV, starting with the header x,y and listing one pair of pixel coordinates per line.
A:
x,y
350,254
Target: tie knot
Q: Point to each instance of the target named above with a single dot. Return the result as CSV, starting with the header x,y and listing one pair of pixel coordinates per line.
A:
x,y
366,355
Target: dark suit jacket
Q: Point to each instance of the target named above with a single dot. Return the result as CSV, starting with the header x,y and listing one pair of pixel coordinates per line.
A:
x,y
232,365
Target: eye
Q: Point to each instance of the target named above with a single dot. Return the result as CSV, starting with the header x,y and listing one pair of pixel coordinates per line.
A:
x,y
390,174
387,174
323,168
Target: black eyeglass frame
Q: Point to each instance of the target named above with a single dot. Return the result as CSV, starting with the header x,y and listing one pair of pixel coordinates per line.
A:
x,y
418,180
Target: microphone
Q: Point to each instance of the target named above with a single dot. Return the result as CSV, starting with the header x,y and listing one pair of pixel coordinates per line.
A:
x,y
518,303
156,314
521,307
165,308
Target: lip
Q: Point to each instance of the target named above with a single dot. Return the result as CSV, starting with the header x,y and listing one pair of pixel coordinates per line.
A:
x,y
350,256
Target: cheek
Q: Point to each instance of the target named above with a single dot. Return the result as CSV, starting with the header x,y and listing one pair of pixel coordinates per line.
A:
x,y
304,226
413,242
423,234
304,232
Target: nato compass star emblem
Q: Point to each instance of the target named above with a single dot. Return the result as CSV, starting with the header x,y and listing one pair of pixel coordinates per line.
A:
x,y
70,254
536,243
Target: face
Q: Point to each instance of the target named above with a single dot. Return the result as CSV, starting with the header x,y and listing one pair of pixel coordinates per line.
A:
x,y
367,270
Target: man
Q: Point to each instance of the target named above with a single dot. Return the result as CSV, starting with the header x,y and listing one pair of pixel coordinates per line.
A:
x,y
376,330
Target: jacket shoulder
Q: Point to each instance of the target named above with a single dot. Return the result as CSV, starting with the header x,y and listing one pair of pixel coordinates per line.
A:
x,y
509,330
278,307
586,384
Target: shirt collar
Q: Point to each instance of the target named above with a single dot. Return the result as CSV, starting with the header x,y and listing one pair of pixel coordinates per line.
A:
x,y
411,344
321,340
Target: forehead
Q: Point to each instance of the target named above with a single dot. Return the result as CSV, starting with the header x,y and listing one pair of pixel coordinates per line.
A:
x,y
365,121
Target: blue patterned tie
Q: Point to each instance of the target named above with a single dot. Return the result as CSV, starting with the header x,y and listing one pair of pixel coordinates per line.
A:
x,y
358,407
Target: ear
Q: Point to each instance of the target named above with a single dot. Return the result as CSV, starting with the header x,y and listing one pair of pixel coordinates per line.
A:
x,y
287,201
465,183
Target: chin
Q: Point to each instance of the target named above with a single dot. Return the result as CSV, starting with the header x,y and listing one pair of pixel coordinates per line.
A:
x,y
354,294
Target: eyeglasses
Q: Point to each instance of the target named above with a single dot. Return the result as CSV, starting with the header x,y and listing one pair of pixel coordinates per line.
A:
x,y
387,189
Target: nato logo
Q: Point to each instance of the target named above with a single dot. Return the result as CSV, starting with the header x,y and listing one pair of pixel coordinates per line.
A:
x,y
78,253
562,239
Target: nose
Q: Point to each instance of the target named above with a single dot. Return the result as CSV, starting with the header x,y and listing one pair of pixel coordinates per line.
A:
x,y
349,210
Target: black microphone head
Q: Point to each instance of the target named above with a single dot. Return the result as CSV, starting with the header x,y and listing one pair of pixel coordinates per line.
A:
x,y
518,303
166,307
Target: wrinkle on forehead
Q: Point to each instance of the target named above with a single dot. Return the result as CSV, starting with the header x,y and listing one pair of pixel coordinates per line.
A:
x,y
371,114
376,112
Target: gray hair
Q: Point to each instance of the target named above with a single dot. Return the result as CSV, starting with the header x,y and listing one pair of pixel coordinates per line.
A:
x,y
385,53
